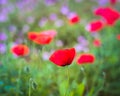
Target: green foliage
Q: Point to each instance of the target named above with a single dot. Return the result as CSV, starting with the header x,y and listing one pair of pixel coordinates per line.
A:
x,y
32,76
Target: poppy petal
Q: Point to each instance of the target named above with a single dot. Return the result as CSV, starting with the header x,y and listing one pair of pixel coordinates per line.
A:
x,y
113,2
63,57
86,58
32,35
74,18
109,14
43,39
95,26
51,33
118,37
71,53
59,58
20,50
97,43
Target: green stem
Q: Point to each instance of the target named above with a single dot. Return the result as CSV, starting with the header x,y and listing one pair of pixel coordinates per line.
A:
x,y
67,87
83,70
29,92
19,76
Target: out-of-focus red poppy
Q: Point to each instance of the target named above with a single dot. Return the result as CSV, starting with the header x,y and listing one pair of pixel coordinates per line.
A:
x,y
86,58
32,35
74,19
44,37
109,14
118,37
97,43
20,50
113,2
51,33
95,26
63,57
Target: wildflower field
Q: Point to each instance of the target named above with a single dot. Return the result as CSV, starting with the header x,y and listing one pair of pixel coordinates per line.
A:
x,y
59,47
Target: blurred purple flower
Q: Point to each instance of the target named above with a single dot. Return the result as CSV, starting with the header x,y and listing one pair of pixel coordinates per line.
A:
x,y
26,6
2,48
30,20
82,44
12,28
64,10
4,14
3,2
71,14
50,2
53,17
25,28
80,48
9,9
3,17
43,21
20,38
102,2
81,40
3,36
59,23
45,55
18,41
59,43
95,35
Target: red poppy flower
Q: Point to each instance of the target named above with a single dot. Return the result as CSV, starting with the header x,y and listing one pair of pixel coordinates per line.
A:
x,y
32,35
63,57
51,33
86,58
109,14
97,43
113,2
95,26
118,37
74,19
44,37
20,50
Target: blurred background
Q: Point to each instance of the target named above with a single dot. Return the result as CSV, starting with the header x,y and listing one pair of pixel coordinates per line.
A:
x,y
34,74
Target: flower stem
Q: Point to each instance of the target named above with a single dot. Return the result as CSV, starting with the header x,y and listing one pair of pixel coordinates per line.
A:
x,y
68,79
29,92
19,76
84,73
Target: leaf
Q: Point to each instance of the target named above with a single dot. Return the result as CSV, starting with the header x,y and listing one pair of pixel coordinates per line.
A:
x,y
91,92
63,87
80,89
